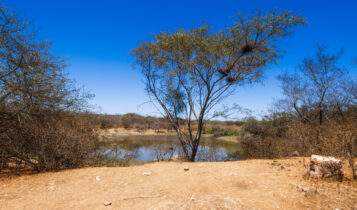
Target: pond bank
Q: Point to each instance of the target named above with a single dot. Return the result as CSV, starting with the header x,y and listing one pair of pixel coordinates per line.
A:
x,y
114,133
250,184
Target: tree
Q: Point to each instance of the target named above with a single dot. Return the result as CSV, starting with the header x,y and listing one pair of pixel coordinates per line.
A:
x,y
197,68
39,125
321,97
318,87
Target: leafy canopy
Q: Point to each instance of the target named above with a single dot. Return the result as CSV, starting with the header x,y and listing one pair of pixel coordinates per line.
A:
x,y
195,69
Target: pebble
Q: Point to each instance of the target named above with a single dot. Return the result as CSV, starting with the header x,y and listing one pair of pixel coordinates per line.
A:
x,y
97,178
148,173
192,198
107,203
186,168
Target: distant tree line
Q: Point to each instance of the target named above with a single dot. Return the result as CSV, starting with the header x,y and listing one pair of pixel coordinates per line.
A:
x,y
142,123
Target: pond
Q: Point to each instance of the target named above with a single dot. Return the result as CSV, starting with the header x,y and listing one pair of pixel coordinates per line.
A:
x,y
152,148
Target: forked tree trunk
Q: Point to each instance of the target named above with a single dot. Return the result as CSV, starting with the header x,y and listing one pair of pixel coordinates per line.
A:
x,y
193,153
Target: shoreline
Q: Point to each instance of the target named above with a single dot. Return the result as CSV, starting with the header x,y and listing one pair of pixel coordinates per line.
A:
x,y
113,133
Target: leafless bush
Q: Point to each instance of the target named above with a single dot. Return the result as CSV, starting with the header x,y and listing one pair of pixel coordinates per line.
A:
x,y
39,127
49,141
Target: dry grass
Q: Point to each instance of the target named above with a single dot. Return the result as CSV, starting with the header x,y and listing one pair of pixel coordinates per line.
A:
x,y
252,184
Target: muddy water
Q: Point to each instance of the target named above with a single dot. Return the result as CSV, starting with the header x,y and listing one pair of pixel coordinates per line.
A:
x,y
151,148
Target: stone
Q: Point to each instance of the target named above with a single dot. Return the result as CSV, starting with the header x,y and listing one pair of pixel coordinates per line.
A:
x,y
192,198
147,173
295,154
309,191
186,169
97,178
107,203
325,167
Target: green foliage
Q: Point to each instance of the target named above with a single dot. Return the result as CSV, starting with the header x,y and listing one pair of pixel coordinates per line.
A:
x,y
218,131
204,65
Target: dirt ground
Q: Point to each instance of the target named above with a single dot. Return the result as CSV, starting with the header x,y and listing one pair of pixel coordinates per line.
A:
x,y
251,184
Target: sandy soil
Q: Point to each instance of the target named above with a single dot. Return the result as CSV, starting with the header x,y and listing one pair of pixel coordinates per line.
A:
x,y
122,132
113,133
252,184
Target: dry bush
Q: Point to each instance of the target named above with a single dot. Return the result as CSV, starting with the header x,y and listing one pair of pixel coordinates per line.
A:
x,y
39,126
332,138
266,138
276,138
49,141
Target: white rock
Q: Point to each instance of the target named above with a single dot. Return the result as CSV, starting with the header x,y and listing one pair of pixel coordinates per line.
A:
x,y
192,198
323,167
107,203
97,178
147,173
309,191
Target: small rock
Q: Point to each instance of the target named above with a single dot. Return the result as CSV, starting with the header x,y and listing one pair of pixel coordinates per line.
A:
x,y
282,167
186,169
147,173
307,190
192,198
107,203
295,154
51,188
97,178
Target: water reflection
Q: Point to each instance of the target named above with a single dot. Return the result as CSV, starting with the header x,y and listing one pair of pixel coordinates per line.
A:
x,y
152,148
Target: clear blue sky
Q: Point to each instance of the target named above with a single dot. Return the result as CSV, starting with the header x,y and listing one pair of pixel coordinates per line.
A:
x,y
96,36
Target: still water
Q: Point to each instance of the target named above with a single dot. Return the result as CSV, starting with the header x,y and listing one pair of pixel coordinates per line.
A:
x,y
151,148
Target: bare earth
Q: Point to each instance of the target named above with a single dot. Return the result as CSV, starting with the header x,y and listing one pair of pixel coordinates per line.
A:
x,y
252,184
